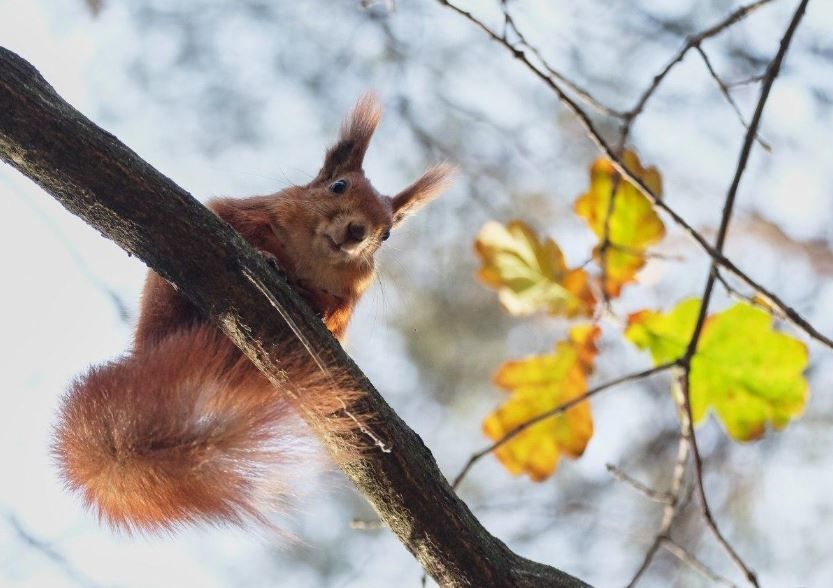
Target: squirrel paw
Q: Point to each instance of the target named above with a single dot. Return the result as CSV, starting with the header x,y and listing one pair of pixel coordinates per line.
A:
x,y
273,261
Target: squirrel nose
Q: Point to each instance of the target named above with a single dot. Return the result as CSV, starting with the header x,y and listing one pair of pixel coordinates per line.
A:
x,y
356,232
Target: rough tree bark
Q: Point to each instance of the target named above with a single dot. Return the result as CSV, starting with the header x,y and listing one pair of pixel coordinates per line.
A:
x,y
98,178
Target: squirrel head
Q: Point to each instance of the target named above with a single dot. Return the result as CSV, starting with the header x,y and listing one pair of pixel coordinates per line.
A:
x,y
344,217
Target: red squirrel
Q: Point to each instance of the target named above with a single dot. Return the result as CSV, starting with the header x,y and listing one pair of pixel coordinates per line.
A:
x,y
183,428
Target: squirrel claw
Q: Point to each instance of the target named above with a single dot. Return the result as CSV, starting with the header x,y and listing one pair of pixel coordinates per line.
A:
x,y
273,261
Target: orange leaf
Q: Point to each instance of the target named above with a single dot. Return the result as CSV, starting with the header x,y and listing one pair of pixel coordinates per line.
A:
x,y
537,385
632,224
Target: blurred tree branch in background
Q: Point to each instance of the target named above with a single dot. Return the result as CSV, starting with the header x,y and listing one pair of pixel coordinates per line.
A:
x,y
50,552
94,6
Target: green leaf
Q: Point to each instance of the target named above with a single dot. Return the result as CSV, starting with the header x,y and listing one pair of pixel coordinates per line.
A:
x,y
747,374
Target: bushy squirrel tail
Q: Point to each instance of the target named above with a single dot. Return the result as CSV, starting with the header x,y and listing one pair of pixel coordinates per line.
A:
x,y
188,431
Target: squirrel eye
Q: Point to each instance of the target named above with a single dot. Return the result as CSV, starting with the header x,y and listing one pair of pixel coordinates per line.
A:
x,y
385,235
338,187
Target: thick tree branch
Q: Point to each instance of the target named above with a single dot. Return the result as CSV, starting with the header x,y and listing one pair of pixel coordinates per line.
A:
x,y
98,178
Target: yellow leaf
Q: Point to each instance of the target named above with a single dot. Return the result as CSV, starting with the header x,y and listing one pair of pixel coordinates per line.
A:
x,y
633,224
743,371
531,275
537,385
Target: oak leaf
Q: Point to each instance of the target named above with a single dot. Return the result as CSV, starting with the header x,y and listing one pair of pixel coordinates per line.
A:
x,y
537,385
749,375
531,275
633,224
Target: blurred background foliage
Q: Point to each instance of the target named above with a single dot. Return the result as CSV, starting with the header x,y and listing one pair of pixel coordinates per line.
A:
x,y
239,98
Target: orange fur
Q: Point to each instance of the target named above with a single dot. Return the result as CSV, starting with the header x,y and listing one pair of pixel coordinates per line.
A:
x,y
183,428
152,442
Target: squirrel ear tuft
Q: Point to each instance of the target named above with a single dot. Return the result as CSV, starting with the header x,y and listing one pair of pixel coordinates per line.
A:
x,y
356,130
432,183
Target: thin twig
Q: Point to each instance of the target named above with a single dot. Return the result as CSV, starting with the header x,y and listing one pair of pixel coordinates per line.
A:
x,y
787,312
725,91
687,558
746,81
705,510
737,16
671,509
772,73
757,300
690,43
734,292
581,92
646,254
646,561
475,457
646,491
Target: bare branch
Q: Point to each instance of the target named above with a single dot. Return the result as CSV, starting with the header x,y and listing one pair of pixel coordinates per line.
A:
x,y
684,556
581,92
726,94
629,117
705,510
757,300
646,254
691,42
789,313
647,492
746,81
671,509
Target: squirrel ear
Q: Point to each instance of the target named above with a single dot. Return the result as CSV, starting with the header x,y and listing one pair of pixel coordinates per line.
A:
x,y
432,183
356,130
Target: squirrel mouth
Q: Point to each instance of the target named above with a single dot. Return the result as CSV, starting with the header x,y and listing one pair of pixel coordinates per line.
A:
x,y
334,246
332,243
